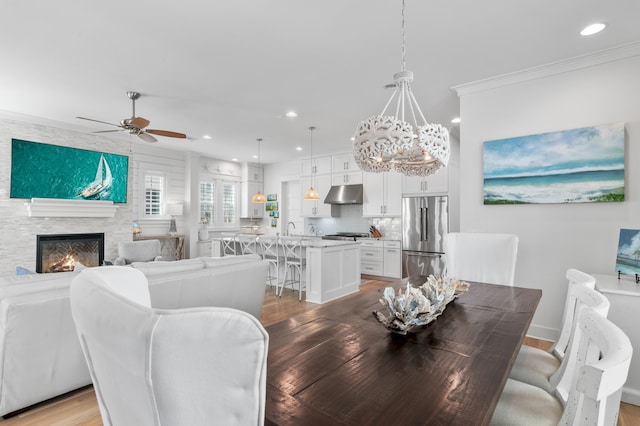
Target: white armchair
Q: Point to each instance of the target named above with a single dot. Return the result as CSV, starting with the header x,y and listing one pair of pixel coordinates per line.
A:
x,y
138,251
178,367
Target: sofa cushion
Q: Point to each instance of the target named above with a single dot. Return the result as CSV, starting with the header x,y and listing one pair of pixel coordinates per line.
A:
x,y
162,267
214,262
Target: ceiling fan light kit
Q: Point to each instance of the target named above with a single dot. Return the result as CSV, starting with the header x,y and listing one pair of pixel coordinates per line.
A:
x,y
384,143
136,125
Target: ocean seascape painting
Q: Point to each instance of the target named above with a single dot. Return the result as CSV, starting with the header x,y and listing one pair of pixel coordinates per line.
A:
x,y
41,170
583,165
628,257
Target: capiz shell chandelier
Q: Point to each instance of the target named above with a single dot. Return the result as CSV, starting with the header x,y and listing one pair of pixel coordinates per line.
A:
x,y
383,142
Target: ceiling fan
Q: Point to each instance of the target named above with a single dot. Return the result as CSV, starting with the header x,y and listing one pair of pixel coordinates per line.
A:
x,y
136,125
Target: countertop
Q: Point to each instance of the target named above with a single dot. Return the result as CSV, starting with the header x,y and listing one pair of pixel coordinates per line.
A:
x,y
319,243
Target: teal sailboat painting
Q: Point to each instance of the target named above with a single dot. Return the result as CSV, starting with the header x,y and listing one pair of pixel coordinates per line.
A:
x,y
40,170
584,165
102,181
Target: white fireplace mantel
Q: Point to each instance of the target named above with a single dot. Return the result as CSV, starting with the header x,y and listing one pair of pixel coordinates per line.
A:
x,y
49,207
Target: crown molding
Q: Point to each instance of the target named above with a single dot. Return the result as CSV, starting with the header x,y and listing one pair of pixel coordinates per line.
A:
x,y
566,65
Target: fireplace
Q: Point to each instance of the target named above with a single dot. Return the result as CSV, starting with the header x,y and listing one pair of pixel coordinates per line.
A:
x,y
60,253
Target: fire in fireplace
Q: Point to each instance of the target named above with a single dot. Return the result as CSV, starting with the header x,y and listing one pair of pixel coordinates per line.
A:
x,y
60,253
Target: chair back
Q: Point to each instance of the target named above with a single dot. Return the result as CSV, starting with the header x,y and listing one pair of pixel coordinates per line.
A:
x,y
292,248
602,354
229,240
483,257
152,367
269,248
580,297
248,243
139,251
574,277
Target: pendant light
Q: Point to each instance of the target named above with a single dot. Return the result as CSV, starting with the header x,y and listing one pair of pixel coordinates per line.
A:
x,y
258,197
384,143
311,194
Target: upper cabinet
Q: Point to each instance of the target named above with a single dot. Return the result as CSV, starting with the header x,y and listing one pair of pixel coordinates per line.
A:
x,y
437,183
382,194
342,163
344,170
317,165
252,176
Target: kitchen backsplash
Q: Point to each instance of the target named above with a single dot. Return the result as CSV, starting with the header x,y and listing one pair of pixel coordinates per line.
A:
x,y
348,218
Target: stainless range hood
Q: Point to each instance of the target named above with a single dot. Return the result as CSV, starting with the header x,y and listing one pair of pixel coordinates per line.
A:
x,y
344,194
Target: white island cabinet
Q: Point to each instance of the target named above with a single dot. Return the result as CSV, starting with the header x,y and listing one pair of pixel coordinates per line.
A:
x,y
333,269
624,295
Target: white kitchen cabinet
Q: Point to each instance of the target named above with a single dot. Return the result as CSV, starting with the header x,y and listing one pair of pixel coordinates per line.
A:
x,y
392,259
252,176
342,163
371,257
317,165
382,194
322,184
346,178
423,185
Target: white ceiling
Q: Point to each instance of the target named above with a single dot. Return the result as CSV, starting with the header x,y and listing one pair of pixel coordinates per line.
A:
x,y
231,69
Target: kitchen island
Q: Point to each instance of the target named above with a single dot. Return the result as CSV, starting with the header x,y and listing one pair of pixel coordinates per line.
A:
x,y
333,269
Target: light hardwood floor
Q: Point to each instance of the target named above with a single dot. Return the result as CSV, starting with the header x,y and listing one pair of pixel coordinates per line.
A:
x,y
81,408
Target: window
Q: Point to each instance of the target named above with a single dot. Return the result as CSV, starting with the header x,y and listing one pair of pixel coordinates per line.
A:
x,y
153,195
219,203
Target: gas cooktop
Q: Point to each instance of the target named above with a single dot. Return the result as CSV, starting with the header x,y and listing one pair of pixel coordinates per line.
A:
x,y
346,236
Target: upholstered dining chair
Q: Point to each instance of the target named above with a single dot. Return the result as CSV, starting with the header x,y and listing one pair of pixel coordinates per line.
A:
x,y
536,366
541,374
483,257
192,366
601,355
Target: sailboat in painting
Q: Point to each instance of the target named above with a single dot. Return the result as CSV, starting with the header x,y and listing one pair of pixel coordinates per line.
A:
x,y
101,182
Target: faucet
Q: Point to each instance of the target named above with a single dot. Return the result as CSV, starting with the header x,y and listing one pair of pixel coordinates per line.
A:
x,y
312,229
290,223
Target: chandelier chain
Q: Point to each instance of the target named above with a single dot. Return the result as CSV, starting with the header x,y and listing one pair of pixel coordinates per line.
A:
x,y
404,49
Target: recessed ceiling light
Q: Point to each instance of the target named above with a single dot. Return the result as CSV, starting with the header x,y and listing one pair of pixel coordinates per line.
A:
x,y
206,137
291,114
254,156
455,120
298,148
592,29
234,159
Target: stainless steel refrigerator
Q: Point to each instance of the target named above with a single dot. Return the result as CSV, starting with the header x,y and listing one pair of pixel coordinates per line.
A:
x,y
424,225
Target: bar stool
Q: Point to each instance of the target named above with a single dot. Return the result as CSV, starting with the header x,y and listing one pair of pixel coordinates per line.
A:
x,y
270,251
228,243
294,263
248,243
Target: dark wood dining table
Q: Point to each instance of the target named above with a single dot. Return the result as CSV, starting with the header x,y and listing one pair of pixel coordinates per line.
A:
x,y
336,365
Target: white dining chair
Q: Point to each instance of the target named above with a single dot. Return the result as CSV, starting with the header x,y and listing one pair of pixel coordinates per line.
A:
x,y
483,257
270,251
601,355
162,366
294,264
536,366
558,380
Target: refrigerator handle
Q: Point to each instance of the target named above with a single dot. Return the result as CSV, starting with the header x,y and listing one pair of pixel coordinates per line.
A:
x,y
425,223
421,223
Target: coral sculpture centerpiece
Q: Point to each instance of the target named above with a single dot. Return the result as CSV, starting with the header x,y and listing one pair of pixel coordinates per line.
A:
x,y
414,307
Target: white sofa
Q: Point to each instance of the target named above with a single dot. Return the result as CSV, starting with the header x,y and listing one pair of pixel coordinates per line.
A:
x,y
40,356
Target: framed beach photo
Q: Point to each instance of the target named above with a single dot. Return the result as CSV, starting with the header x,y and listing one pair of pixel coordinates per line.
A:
x,y
272,197
584,165
628,256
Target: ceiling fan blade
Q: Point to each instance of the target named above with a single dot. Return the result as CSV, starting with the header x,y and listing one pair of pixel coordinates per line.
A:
x,y
98,121
147,137
106,131
167,133
139,122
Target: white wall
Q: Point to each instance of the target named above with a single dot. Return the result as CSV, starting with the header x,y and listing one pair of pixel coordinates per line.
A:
x,y
553,237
